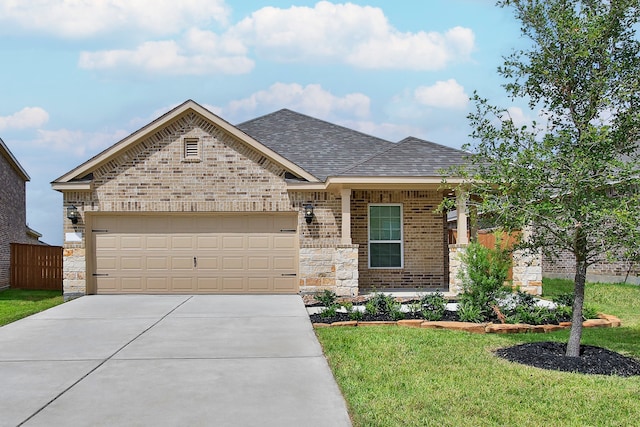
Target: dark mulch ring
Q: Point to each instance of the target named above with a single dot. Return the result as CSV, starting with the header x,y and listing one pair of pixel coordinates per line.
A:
x,y
592,360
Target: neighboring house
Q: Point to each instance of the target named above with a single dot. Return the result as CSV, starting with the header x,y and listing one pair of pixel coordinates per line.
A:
x,y
284,203
13,211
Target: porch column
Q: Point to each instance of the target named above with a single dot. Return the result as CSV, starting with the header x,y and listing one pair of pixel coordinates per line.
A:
x,y
345,194
461,208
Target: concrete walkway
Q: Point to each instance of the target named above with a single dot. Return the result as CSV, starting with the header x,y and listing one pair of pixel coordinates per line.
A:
x,y
206,360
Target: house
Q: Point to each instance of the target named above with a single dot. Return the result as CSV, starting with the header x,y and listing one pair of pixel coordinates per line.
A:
x,y
284,203
13,211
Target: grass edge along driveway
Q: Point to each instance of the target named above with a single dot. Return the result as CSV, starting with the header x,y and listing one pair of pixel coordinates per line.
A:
x,y
393,376
18,303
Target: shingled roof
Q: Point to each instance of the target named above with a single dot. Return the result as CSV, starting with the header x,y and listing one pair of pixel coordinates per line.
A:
x,y
325,149
319,147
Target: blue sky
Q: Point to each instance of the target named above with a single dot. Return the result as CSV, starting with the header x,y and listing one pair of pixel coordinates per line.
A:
x,y
78,76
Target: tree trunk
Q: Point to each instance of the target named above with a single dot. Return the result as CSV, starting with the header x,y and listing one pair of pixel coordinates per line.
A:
x,y
573,346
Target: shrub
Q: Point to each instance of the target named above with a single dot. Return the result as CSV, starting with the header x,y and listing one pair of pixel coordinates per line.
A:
x,y
483,279
469,312
328,312
564,299
433,306
327,298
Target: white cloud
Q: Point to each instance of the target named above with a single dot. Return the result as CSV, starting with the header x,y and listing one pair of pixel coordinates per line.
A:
x,y
311,99
443,94
198,53
360,36
87,18
77,142
28,117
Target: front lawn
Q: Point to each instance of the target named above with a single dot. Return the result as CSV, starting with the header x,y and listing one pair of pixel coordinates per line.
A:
x,y
18,303
393,376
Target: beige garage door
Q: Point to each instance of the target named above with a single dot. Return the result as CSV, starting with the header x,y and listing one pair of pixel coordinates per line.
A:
x,y
240,253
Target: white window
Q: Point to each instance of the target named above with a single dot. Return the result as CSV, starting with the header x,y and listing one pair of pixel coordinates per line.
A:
x,y
385,236
191,149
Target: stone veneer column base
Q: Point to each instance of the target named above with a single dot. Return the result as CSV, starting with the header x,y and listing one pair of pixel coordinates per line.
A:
x,y
334,269
455,266
74,283
527,272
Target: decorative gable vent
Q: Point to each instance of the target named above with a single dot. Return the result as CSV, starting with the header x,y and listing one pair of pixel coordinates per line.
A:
x,y
191,149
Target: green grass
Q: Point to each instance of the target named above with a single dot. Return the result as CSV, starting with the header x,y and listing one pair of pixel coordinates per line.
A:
x,y
18,303
394,376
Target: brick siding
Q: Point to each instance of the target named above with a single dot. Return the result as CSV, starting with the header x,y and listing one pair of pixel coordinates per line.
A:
x,y
425,245
604,270
12,216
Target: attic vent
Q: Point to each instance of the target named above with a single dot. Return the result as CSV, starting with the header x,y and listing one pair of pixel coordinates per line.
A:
x,y
191,148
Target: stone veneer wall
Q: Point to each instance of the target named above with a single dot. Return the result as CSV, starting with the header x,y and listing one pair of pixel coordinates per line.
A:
x,y
425,242
564,267
527,271
324,262
12,216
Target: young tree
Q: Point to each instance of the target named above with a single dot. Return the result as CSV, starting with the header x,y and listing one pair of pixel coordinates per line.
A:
x,y
573,177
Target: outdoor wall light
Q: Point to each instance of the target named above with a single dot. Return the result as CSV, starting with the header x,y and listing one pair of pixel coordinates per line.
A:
x,y
308,213
73,214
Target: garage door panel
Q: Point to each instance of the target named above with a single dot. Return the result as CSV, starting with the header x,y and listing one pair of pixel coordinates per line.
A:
x,y
154,242
182,283
105,242
131,243
286,284
157,263
107,262
232,284
284,242
233,253
258,242
232,243
131,284
131,263
207,263
208,284
181,263
233,263
255,284
258,263
182,242
157,283
284,263
207,243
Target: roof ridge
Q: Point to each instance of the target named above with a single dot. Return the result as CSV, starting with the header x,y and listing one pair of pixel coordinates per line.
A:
x,y
319,120
365,160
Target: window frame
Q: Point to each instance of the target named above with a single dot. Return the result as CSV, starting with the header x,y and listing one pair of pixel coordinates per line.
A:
x,y
370,241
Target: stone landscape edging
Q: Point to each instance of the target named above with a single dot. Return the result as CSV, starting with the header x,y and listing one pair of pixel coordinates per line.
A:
x,y
603,321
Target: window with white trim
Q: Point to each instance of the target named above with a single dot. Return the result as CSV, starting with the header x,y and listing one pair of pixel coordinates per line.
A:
x,y
191,149
385,236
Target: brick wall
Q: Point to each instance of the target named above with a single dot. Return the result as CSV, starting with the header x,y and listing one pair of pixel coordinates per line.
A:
x,y
425,246
154,176
12,216
604,270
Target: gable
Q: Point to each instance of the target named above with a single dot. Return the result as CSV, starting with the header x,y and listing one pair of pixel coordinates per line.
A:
x,y
7,157
79,178
157,172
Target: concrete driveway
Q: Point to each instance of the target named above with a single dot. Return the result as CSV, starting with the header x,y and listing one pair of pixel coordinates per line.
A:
x,y
206,360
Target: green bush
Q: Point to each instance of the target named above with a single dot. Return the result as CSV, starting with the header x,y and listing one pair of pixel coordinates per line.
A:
x,y
327,298
469,312
328,312
433,306
483,279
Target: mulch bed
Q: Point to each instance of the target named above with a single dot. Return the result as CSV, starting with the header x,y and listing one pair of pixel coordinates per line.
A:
x,y
592,360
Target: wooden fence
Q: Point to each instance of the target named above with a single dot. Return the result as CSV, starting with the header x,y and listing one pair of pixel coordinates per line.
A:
x,y
488,240
36,267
